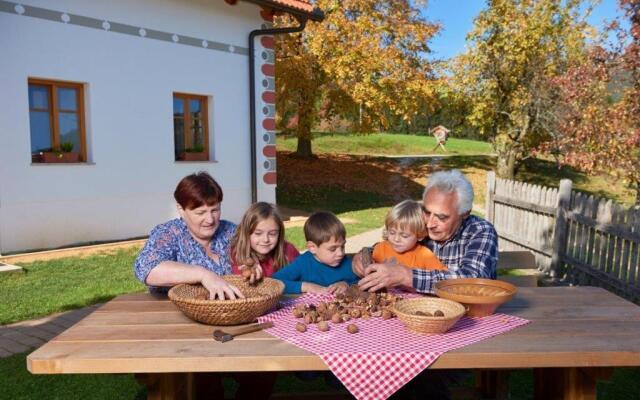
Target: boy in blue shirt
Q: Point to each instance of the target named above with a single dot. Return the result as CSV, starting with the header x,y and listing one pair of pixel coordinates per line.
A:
x,y
324,268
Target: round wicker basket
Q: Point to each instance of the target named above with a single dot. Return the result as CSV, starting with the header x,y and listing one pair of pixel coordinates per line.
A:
x,y
481,296
406,310
259,299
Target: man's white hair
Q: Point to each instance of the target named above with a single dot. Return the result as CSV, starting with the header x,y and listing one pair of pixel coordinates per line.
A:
x,y
449,182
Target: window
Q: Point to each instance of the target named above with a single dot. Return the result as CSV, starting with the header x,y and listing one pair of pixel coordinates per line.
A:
x,y
56,120
190,127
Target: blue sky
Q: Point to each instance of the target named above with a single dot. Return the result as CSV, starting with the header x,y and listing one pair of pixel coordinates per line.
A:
x,y
456,18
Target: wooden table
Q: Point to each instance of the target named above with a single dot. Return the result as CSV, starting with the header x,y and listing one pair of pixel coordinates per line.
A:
x,y
576,335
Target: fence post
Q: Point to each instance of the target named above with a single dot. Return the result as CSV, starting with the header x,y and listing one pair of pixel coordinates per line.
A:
x,y
491,191
560,232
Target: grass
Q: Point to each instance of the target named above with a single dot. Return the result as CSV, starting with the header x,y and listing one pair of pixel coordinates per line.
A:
x,y
51,286
384,144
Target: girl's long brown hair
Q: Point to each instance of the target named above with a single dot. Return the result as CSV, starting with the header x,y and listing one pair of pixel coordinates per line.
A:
x,y
241,250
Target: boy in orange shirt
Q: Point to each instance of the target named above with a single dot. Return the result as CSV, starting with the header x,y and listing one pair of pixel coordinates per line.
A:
x,y
404,228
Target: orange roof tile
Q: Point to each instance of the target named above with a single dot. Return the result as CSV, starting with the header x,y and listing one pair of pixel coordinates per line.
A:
x,y
300,6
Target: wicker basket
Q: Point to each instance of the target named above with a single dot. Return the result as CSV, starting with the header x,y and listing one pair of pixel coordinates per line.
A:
x,y
406,310
259,299
481,296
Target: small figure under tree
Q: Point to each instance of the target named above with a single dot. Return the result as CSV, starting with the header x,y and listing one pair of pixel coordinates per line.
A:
x,y
441,134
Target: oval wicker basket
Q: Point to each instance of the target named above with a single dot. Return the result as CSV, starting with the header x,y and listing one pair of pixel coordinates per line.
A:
x,y
405,311
259,300
481,296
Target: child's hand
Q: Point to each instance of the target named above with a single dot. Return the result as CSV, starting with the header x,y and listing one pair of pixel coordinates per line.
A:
x,y
338,288
308,287
252,273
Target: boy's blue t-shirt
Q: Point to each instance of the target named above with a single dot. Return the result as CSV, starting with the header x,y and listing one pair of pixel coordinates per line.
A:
x,y
305,268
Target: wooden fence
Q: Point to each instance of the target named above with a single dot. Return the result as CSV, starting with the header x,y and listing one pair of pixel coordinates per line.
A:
x,y
576,238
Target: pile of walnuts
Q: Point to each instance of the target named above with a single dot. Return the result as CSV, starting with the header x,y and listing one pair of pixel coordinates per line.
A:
x,y
354,304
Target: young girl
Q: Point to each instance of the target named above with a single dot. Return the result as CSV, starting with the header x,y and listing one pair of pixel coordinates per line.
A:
x,y
259,243
404,228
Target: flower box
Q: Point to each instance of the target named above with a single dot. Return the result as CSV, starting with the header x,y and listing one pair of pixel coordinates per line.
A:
x,y
60,157
193,156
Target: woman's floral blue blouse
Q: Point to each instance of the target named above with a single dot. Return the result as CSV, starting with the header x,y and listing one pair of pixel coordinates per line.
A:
x,y
172,241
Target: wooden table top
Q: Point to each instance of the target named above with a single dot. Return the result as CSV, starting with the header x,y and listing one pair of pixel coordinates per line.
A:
x,y
137,333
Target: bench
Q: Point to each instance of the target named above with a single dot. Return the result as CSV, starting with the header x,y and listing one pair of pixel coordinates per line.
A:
x,y
512,260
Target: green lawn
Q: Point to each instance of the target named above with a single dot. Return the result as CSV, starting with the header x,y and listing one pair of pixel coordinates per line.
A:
x,y
385,144
51,286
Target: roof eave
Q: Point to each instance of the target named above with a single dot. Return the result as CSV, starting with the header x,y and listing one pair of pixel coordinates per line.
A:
x,y
316,15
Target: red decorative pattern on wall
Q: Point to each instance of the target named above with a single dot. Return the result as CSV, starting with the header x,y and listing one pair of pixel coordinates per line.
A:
x,y
269,97
267,14
269,124
268,69
270,178
267,42
269,151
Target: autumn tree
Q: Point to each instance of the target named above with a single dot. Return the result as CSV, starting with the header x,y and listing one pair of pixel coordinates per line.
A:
x,y
514,48
364,61
599,110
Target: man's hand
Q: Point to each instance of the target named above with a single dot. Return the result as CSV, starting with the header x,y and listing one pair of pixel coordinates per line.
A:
x,y
338,287
308,287
219,288
356,264
380,276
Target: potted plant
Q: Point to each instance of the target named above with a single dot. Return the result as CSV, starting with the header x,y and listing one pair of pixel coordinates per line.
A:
x,y
195,153
62,154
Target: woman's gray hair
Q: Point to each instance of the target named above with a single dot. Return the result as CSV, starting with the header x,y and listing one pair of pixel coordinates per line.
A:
x,y
452,181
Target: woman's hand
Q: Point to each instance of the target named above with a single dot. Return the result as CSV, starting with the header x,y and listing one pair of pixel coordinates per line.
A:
x,y
338,287
218,287
308,287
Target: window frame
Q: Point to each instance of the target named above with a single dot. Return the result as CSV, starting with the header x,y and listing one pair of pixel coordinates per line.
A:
x,y
204,101
54,132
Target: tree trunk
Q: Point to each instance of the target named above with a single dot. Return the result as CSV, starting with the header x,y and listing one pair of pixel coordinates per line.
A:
x,y
506,166
305,122
304,148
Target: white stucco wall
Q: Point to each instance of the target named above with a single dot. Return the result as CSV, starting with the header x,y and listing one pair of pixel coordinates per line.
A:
x,y
126,187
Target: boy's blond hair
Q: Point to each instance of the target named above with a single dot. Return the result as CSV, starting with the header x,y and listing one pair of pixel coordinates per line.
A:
x,y
321,226
406,215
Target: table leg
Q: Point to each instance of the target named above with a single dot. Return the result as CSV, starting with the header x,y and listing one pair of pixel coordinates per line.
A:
x,y
568,383
170,386
492,384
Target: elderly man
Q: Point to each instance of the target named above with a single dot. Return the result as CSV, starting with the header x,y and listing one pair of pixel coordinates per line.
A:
x,y
467,245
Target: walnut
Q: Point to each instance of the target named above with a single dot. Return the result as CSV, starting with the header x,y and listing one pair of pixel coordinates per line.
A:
x,y
300,327
309,319
352,328
323,326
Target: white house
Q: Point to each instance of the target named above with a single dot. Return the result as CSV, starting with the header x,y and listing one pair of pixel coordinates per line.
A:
x,y
106,105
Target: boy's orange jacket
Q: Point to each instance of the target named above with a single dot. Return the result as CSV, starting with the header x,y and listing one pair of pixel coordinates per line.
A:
x,y
420,257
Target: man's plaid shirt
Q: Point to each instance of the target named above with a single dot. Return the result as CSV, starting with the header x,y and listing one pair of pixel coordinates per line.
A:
x,y
472,252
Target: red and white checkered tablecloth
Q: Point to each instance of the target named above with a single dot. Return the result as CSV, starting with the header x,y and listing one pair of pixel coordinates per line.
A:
x,y
383,356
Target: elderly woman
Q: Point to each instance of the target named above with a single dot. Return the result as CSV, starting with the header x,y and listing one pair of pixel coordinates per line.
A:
x,y
193,248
